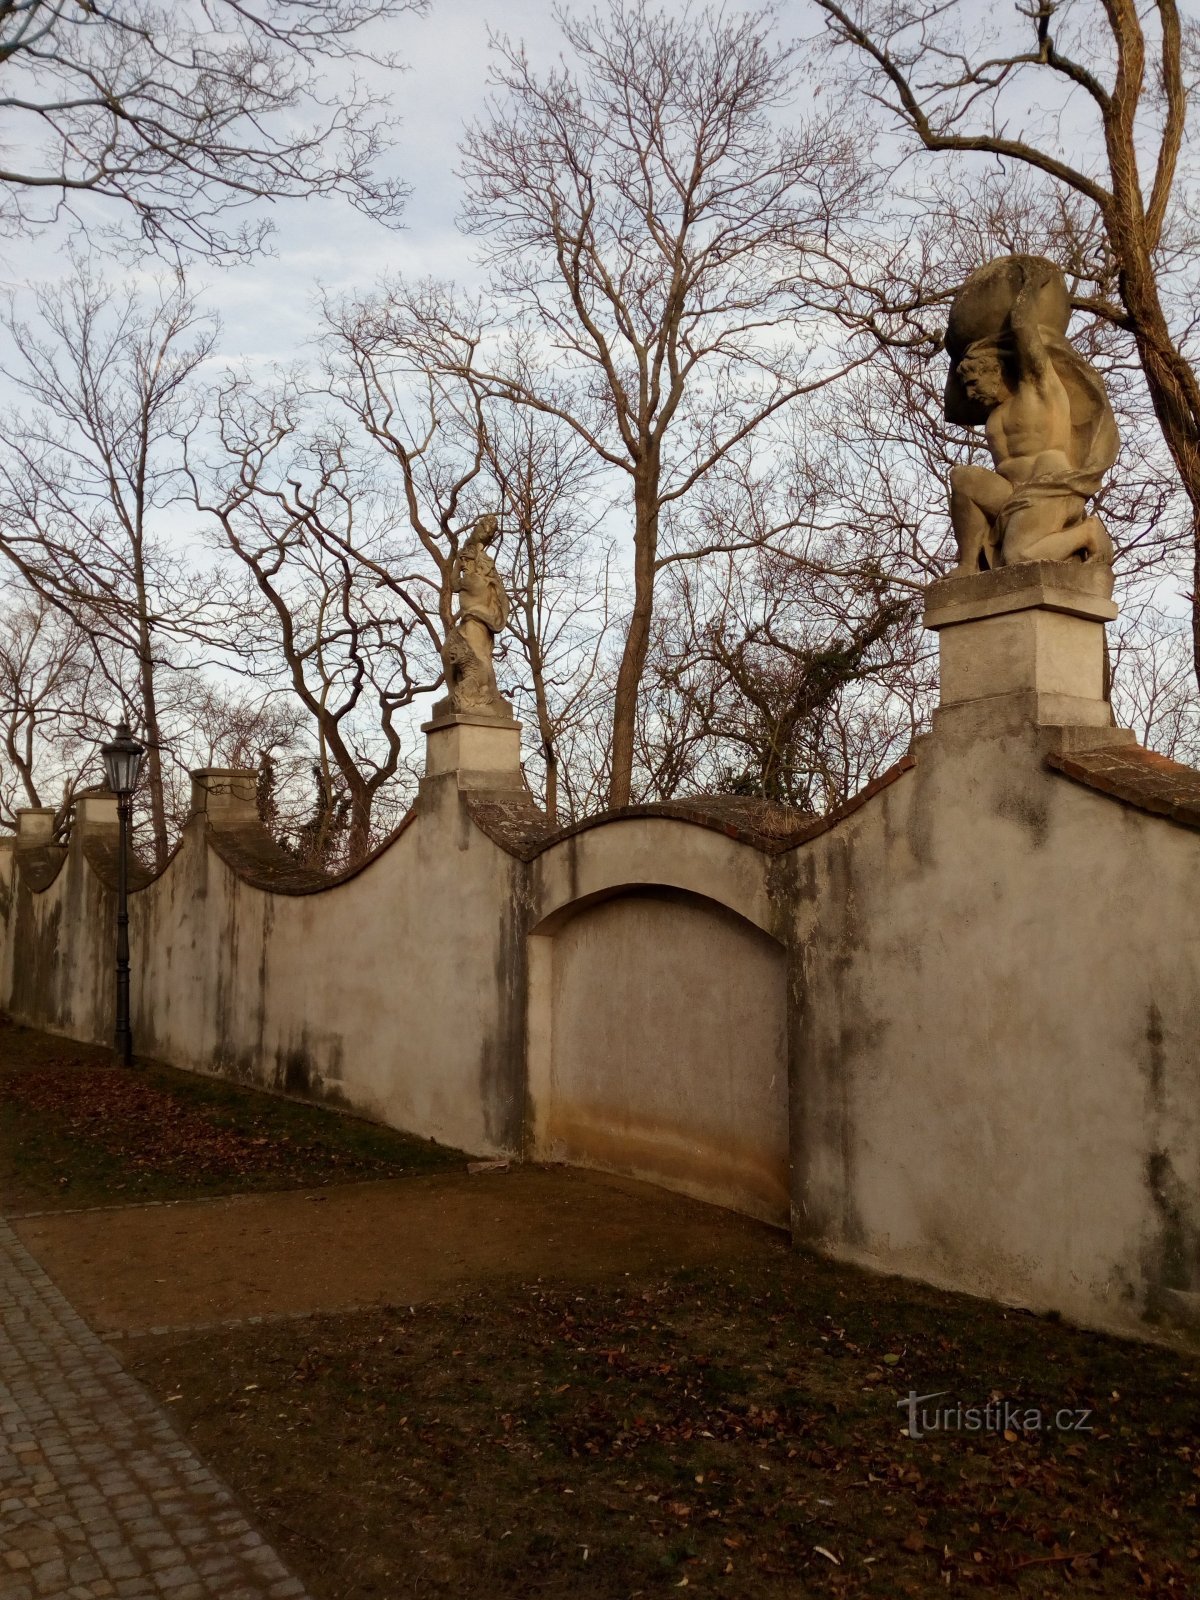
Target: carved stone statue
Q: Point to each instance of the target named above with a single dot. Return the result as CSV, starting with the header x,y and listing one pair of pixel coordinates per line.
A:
x,y
483,609
1045,414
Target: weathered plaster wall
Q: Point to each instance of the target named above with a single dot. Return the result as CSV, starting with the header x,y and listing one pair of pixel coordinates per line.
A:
x,y
394,992
956,1026
998,1075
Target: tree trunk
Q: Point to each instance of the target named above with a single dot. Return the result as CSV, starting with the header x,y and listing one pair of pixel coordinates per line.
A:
x,y
1175,396
637,639
357,788
537,669
154,770
360,819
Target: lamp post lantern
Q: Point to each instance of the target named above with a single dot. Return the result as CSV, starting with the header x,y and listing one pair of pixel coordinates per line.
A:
x,y
122,762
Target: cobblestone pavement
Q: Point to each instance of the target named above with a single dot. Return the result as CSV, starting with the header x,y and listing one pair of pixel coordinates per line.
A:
x,y
99,1496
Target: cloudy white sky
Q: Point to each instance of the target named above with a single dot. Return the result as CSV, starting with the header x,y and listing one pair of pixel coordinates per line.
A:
x,y
266,308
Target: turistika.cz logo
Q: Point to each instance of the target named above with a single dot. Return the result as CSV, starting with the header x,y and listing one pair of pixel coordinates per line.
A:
x,y
1009,1418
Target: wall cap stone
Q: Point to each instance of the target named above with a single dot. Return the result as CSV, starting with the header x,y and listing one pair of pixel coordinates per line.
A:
x,y
229,792
96,808
1078,588
35,824
469,719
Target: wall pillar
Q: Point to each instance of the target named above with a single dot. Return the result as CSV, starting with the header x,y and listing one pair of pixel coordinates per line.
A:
x,y
1024,645
480,752
35,825
228,796
96,809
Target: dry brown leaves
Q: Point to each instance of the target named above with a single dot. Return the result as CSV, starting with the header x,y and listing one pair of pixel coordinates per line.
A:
x,y
157,1131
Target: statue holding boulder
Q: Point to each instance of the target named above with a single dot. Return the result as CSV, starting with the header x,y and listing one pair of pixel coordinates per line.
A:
x,y
1045,415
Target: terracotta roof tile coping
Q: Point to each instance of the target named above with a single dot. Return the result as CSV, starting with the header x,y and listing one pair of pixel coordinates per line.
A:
x,y
1136,777
257,860
516,825
523,838
39,864
100,850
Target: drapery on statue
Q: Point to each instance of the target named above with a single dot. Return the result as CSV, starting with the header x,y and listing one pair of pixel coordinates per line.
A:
x,y
1046,416
483,608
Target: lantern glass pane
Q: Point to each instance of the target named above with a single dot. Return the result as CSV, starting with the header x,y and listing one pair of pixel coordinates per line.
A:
x,y
122,771
122,760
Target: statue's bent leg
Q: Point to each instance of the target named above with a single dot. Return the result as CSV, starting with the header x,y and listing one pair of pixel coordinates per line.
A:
x,y
1048,527
1087,540
977,497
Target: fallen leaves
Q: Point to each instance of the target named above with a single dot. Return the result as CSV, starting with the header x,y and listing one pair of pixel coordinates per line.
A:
x,y
635,1424
144,1125
88,1125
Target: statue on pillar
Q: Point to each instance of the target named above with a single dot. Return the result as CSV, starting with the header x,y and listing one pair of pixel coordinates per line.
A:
x,y
1045,415
482,613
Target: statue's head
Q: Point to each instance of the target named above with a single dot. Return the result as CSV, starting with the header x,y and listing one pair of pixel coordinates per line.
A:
x,y
980,314
983,374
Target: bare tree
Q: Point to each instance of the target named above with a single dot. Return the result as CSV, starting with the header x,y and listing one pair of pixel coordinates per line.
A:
x,y
187,114
298,512
214,719
559,573
50,719
90,472
644,210
402,364
1152,689
1095,100
405,363
756,659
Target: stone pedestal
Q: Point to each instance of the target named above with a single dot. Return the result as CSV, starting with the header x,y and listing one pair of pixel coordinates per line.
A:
x,y
1024,644
35,824
96,809
227,795
481,751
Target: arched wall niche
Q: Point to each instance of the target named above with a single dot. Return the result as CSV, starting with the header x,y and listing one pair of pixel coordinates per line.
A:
x,y
657,1045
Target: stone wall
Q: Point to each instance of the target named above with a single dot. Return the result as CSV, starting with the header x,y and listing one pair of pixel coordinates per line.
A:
x,y
950,1032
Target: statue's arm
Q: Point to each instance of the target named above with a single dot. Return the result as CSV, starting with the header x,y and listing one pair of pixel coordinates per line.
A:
x,y
1033,358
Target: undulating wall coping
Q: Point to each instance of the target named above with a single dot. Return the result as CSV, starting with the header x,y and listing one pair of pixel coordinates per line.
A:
x,y
1136,777
258,860
100,848
515,824
1128,773
523,831
39,864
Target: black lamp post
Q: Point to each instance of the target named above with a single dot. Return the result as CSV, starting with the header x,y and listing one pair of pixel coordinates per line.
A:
x,y
122,761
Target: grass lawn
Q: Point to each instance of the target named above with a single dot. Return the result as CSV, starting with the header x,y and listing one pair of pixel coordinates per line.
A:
x,y
735,1433
76,1130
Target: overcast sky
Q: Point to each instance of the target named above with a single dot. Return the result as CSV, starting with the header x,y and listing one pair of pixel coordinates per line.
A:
x,y
267,308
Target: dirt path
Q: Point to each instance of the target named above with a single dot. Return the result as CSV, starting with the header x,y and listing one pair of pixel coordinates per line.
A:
x,y
417,1239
